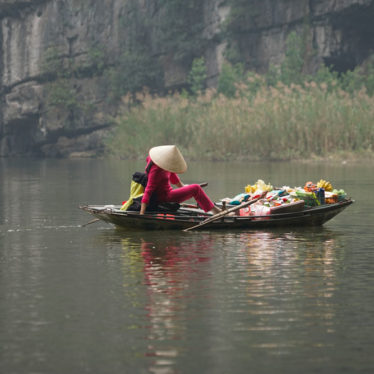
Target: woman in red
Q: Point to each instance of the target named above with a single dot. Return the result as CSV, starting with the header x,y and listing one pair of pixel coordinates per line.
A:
x,y
167,162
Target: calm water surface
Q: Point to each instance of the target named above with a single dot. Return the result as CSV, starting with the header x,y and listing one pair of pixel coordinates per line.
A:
x,y
99,300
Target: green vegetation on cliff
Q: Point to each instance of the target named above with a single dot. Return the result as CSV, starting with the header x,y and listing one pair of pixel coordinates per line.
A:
x,y
181,25
174,33
62,72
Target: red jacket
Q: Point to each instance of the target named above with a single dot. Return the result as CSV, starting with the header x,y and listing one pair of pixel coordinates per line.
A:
x,y
158,182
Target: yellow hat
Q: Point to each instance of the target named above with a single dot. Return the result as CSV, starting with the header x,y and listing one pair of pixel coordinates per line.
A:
x,y
169,158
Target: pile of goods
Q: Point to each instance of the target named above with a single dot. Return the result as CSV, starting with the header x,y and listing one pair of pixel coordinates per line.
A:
x,y
285,199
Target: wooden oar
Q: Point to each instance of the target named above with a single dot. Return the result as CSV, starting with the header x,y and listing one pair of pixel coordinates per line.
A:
x,y
89,223
224,213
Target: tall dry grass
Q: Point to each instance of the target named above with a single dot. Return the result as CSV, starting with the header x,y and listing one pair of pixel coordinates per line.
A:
x,y
281,122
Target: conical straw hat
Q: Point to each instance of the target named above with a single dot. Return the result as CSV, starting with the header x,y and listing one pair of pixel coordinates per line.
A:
x,y
169,158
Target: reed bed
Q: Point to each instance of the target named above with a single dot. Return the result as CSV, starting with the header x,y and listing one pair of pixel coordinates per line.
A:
x,y
272,123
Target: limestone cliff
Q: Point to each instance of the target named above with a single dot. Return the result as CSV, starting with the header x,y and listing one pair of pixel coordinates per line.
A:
x,y
57,56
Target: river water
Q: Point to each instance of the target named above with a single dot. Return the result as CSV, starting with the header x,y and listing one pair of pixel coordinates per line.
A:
x,y
100,300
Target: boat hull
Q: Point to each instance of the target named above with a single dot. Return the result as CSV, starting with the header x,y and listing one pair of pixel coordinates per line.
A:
x,y
185,218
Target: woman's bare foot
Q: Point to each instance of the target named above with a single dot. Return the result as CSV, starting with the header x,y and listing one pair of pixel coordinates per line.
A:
x,y
215,210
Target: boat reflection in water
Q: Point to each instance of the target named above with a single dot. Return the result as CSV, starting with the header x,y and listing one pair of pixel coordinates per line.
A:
x,y
290,284
171,268
262,287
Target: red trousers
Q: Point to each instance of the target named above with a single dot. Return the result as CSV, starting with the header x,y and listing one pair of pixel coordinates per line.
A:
x,y
187,192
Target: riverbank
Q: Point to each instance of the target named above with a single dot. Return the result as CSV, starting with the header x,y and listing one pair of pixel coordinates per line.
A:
x,y
309,122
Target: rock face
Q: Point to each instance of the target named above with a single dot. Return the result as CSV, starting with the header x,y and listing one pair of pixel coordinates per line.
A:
x,y
43,113
340,32
56,55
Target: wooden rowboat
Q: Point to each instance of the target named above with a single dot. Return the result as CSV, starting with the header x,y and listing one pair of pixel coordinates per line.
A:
x,y
187,216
